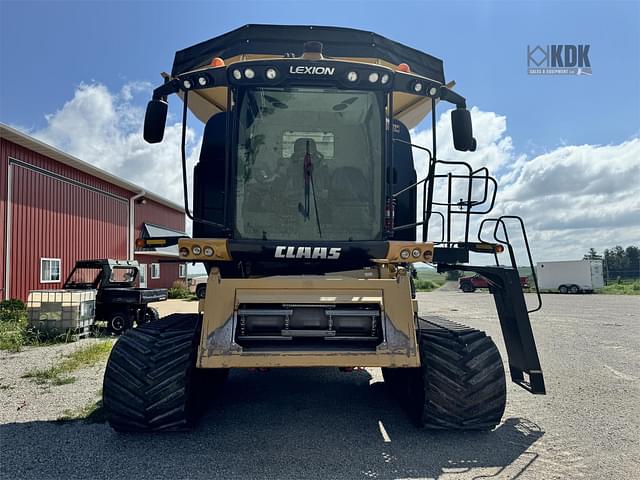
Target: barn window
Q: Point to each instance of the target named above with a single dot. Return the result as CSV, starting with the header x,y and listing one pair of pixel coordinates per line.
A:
x,y
49,270
182,270
155,270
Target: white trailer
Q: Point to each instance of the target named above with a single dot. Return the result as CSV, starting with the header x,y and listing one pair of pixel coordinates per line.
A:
x,y
573,276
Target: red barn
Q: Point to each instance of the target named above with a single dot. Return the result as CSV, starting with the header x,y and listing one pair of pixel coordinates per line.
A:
x,y
56,209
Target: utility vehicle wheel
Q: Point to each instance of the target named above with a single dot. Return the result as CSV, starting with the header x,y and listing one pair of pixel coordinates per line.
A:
x,y
461,383
119,321
467,287
151,315
201,291
574,289
151,382
563,289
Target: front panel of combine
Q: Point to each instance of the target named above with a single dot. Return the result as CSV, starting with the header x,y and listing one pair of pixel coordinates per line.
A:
x,y
304,215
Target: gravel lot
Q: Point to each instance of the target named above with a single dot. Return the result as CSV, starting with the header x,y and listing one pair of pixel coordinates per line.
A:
x,y
296,423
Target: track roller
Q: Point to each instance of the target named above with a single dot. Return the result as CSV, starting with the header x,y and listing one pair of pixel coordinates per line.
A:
x,y
151,382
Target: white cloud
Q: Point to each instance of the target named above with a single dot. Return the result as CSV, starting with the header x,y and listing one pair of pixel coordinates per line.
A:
x,y
105,129
572,198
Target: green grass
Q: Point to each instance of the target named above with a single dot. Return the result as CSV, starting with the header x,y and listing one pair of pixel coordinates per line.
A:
x,y
91,413
60,373
625,287
428,280
16,333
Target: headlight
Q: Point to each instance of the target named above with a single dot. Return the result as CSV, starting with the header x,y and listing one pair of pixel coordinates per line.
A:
x,y
208,251
271,73
405,253
196,250
415,253
184,252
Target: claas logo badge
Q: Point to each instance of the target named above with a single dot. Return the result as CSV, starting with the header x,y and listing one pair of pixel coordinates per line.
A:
x,y
314,253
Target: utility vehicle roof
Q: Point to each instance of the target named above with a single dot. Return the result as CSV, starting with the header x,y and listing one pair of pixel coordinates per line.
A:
x,y
253,42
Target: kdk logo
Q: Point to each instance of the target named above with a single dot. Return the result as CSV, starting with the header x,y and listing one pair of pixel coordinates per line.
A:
x,y
558,60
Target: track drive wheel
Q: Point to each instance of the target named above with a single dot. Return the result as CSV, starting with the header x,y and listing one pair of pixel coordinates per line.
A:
x,y
151,382
461,383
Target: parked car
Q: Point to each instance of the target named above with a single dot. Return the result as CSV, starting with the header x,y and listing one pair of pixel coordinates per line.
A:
x,y
198,285
469,284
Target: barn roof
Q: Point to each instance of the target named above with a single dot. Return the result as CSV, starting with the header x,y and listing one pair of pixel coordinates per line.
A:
x,y
27,141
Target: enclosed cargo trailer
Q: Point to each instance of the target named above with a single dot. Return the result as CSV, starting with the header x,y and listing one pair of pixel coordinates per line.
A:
x,y
573,276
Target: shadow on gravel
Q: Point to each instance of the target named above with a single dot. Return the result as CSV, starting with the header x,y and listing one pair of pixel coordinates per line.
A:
x,y
289,424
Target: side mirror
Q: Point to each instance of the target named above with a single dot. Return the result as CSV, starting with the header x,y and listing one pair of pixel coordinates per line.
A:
x,y
155,120
462,130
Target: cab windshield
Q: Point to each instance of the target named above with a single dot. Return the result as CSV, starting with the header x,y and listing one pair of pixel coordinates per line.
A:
x,y
309,164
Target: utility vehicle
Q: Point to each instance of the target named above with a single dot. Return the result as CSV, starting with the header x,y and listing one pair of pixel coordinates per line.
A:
x,y
307,212
118,301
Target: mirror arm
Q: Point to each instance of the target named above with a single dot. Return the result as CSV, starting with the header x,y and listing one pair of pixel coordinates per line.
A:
x,y
163,91
452,97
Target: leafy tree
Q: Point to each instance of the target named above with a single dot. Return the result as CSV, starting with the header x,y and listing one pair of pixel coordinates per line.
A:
x,y
622,263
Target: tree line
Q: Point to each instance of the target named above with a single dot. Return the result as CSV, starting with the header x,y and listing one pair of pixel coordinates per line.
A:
x,y
618,262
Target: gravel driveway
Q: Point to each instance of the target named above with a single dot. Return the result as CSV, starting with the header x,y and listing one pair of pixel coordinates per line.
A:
x,y
299,424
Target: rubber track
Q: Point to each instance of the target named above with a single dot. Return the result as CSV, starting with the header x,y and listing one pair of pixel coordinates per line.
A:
x,y
149,376
462,377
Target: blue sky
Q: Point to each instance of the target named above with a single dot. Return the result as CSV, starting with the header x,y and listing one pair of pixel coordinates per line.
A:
x,y
48,48
566,149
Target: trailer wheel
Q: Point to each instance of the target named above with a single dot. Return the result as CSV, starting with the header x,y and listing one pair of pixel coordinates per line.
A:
x,y
460,384
467,287
563,289
201,291
119,321
574,289
151,382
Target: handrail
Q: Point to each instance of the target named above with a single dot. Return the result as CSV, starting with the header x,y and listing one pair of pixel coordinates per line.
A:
x,y
504,240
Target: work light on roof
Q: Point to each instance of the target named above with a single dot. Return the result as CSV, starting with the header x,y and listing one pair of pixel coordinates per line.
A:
x,y
202,81
237,74
433,91
417,87
249,73
186,84
385,78
373,77
352,76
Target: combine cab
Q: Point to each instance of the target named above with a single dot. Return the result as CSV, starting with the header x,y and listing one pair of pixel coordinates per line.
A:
x,y
306,213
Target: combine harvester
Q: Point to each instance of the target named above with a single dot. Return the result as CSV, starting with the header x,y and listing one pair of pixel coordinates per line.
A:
x,y
305,214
